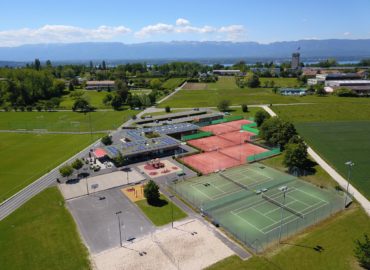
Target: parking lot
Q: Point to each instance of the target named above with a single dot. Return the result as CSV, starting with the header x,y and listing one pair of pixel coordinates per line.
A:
x,y
98,222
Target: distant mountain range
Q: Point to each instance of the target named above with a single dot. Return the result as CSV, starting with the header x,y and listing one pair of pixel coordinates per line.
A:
x,y
178,50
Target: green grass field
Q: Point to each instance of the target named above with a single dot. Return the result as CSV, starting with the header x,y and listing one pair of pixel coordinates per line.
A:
x,y
161,215
336,236
42,235
226,89
173,83
94,97
64,121
281,82
338,142
25,157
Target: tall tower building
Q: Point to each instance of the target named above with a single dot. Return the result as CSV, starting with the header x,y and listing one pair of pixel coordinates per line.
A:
x,y
295,60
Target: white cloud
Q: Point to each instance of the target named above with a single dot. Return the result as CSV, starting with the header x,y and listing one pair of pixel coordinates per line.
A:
x,y
182,26
182,22
60,33
347,33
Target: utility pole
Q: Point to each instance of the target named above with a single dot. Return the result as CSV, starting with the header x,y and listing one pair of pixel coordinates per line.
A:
x,y
350,164
171,196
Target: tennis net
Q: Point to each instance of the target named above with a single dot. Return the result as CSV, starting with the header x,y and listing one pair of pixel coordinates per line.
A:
x,y
233,181
271,200
237,159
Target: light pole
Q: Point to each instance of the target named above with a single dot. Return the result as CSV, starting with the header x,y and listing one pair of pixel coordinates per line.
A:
x,y
119,227
285,189
171,196
350,164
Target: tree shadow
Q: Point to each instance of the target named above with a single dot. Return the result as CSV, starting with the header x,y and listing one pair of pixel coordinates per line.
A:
x,y
158,203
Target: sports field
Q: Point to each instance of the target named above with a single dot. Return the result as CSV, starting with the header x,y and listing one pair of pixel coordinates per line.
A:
x,y
41,235
64,121
173,83
233,199
25,157
226,89
94,97
338,142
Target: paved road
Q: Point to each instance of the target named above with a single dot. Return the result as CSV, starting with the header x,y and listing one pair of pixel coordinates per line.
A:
x,y
333,173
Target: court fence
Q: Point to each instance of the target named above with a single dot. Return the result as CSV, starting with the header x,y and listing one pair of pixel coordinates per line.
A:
x,y
198,135
227,119
250,128
263,155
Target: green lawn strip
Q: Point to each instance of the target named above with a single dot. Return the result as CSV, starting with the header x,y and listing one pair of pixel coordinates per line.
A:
x,y
26,157
336,236
339,142
64,121
319,178
282,82
173,83
161,215
42,235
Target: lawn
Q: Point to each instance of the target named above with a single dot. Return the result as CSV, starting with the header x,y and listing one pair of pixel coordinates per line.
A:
x,y
64,121
94,97
162,214
173,83
281,82
42,235
338,142
26,157
226,89
336,236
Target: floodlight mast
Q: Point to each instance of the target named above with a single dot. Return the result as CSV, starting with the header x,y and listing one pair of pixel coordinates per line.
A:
x,y
284,190
119,227
349,164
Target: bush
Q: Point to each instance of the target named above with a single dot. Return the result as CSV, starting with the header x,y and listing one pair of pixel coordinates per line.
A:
x,y
168,109
362,252
151,193
244,107
277,132
260,117
66,170
107,140
223,105
29,108
345,92
77,164
119,160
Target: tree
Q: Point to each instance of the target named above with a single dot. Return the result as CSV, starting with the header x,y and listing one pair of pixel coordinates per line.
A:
x,y
119,160
320,90
244,108
223,105
116,102
81,105
168,109
277,132
151,192
253,81
107,140
66,170
295,155
260,117
71,86
103,65
77,164
155,84
362,252
344,92
107,99
37,64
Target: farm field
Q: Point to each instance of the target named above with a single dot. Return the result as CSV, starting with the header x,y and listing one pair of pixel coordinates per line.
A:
x,y
173,83
64,121
336,236
162,214
42,235
338,142
226,89
25,157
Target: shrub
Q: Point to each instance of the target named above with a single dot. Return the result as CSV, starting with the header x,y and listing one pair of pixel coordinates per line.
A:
x,y
66,170
29,108
260,117
168,109
223,105
107,140
77,164
244,107
151,192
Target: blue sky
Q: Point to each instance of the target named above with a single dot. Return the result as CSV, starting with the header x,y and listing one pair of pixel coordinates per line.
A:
x,y
36,21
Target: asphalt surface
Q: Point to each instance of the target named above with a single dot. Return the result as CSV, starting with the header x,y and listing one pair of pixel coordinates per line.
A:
x,y
98,222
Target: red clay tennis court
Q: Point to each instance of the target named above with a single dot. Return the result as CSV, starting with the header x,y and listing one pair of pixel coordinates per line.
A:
x,y
238,137
210,143
242,151
226,127
210,162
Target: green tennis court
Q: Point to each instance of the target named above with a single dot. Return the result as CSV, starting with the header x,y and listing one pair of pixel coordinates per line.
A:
x,y
249,201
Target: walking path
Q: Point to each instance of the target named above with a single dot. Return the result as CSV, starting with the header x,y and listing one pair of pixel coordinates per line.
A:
x,y
333,173
173,93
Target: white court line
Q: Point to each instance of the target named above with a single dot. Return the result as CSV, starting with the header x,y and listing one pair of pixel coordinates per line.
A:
x,y
297,200
313,196
255,210
294,219
248,223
